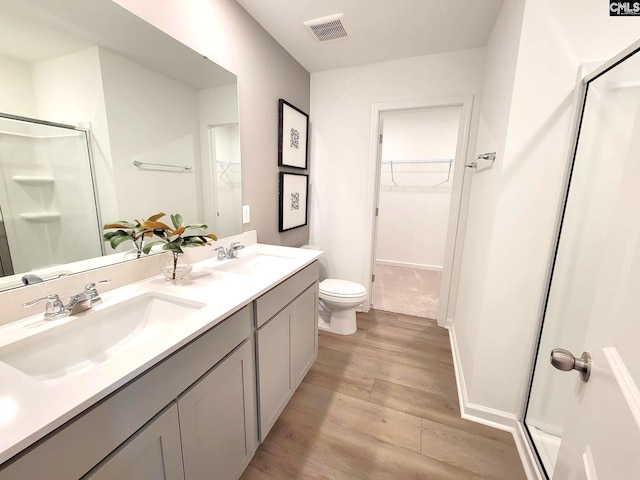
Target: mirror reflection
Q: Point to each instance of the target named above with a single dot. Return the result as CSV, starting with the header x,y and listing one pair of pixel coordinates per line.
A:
x,y
105,118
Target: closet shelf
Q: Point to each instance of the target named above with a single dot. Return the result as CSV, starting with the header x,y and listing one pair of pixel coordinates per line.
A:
x,y
33,180
417,162
40,217
447,162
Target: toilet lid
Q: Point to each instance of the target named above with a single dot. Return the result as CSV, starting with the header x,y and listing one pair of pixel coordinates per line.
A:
x,y
342,288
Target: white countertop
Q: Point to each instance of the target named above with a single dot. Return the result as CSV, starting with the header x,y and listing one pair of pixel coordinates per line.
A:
x,y
31,407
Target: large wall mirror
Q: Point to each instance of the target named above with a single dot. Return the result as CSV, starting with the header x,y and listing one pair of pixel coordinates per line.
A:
x,y
102,118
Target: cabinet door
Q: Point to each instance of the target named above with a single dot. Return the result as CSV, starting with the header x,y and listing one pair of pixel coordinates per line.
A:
x,y
153,453
218,419
304,345
274,368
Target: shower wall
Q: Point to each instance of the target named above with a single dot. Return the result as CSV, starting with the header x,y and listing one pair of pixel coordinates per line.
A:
x,y
47,199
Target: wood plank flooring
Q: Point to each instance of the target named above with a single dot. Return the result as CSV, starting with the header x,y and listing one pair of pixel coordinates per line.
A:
x,y
382,404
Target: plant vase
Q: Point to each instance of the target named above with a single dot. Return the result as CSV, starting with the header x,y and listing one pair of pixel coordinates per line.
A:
x,y
176,266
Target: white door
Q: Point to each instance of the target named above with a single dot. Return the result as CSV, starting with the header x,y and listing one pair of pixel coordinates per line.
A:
x,y
591,430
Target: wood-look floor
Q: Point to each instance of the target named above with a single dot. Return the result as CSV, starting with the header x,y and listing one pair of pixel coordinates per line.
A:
x,y
382,404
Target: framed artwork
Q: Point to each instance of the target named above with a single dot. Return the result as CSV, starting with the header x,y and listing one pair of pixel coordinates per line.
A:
x,y
293,200
293,129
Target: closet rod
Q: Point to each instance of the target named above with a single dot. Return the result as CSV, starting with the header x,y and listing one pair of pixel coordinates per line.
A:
x,y
399,162
391,163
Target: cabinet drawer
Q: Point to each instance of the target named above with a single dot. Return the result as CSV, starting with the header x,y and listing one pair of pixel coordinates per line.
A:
x,y
83,442
274,300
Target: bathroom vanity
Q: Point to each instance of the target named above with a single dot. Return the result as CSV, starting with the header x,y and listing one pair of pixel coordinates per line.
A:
x,y
187,393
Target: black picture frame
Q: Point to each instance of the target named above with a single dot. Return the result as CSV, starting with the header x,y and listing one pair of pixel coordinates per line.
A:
x,y
294,200
293,136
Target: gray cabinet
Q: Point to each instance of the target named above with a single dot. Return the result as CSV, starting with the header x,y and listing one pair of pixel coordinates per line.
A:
x,y
218,419
273,342
82,444
286,343
153,453
197,413
304,333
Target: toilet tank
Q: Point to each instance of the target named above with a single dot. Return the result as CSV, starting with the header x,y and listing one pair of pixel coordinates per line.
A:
x,y
321,259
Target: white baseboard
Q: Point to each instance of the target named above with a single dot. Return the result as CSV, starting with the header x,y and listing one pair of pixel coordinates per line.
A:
x,y
421,266
492,417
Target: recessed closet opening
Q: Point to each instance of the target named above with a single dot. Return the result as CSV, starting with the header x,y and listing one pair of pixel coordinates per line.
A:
x,y
417,166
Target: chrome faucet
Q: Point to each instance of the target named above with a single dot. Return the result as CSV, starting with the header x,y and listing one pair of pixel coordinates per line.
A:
x,y
80,302
232,252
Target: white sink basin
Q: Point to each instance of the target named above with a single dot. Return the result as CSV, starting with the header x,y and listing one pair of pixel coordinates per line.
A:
x,y
95,336
259,264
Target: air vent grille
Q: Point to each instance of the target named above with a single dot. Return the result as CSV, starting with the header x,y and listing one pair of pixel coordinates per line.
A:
x,y
327,29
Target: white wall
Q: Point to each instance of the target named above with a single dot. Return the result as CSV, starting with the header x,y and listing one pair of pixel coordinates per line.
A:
x,y
224,32
495,105
343,172
151,118
69,90
16,89
414,211
514,206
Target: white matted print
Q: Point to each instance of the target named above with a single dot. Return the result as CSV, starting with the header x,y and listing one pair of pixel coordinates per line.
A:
x,y
293,127
293,200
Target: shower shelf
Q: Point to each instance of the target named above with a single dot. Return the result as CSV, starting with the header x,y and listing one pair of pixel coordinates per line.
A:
x,y
34,180
40,217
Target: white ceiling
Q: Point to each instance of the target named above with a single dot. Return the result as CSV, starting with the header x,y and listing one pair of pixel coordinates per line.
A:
x,y
382,29
33,31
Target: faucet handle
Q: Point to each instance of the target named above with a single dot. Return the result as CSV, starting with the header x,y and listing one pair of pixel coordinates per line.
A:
x,y
92,285
233,249
54,305
91,292
222,255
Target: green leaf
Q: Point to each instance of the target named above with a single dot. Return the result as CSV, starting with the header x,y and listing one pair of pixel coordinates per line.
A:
x,y
147,248
173,247
177,220
107,236
193,241
197,226
117,240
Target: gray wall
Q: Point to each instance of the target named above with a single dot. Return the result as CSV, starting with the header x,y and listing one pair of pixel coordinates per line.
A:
x,y
225,33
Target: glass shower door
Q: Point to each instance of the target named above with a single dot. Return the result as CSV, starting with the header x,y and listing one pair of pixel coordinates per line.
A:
x,y
589,296
47,198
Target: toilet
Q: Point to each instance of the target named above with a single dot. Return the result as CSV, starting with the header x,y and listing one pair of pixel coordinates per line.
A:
x,y
338,302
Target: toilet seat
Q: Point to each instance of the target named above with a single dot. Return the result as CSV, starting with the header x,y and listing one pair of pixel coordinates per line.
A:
x,y
337,290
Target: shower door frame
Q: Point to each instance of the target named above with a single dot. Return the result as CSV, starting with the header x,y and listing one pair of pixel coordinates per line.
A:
x,y
586,73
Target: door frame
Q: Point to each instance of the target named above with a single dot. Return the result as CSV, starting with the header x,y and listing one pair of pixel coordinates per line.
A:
x,y
459,195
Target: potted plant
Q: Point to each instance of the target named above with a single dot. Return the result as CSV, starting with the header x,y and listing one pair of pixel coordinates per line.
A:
x,y
135,231
174,240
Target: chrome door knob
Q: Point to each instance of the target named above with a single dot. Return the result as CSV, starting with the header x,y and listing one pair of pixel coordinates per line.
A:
x,y
565,360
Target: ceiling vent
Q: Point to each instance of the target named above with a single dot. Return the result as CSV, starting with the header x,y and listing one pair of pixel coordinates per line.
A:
x,y
327,29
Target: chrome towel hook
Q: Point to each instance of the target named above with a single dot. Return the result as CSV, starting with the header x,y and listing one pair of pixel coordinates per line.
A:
x,y
490,156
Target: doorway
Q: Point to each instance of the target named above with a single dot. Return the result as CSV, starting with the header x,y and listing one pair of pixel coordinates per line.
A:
x,y
226,178
420,151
